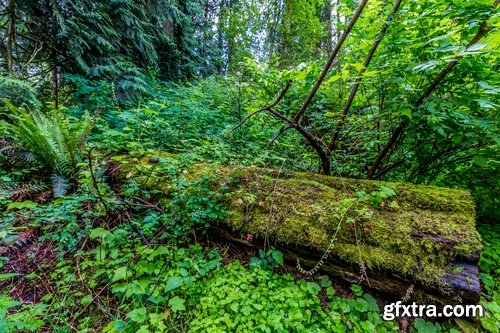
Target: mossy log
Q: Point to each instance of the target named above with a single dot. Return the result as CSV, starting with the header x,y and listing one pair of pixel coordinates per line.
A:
x,y
423,238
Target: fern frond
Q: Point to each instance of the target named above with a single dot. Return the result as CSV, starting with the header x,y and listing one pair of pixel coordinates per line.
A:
x,y
55,139
16,156
21,190
60,186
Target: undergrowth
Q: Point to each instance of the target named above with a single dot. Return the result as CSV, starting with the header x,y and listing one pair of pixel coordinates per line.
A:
x,y
125,261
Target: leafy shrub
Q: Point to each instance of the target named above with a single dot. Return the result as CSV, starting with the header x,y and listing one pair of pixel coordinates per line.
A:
x,y
490,276
25,319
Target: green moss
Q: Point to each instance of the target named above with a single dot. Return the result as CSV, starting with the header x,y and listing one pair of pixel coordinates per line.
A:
x,y
416,233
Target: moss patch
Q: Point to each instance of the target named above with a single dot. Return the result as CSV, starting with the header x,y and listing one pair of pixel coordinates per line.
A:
x,y
418,232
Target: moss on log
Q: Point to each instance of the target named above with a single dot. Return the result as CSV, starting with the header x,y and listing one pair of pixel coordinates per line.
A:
x,y
423,235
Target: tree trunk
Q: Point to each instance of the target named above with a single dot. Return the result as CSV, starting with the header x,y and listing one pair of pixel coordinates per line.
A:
x,y
326,19
422,236
11,27
55,81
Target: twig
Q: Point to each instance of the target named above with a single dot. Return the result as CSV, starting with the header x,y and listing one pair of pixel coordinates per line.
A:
x,y
280,132
137,230
148,204
267,107
94,181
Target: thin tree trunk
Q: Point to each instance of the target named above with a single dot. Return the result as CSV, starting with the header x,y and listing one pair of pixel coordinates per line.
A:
x,y
275,19
359,78
286,33
11,27
326,18
55,79
330,60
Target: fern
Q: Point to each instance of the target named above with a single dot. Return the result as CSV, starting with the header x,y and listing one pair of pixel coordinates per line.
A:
x,y
55,140
17,157
21,190
60,186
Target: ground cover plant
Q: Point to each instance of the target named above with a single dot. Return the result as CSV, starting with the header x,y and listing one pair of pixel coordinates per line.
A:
x,y
128,129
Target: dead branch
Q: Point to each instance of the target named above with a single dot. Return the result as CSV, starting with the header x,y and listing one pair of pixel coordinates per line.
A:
x,y
267,107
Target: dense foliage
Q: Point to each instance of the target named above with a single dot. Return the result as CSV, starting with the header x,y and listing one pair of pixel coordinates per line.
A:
x,y
409,92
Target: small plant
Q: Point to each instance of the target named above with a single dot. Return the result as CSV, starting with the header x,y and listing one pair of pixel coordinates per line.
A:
x,y
26,318
54,140
195,204
271,259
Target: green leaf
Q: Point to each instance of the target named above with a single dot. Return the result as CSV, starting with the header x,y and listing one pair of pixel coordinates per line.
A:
x,y
27,204
325,282
489,323
173,283
177,304
356,289
278,257
423,326
372,302
313,287
481,160
6,276
137,315
425,66
7,302
120,274
86,300
99,233
143,329
361,305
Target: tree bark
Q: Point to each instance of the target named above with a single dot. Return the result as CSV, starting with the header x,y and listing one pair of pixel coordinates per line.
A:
x,y
11,27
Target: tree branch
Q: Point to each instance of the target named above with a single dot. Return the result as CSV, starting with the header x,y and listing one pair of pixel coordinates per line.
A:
x,y
359,78
394,139
282,130
267,107
330,60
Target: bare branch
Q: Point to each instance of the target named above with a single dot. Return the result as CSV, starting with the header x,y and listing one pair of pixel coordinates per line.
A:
x,y
282,130
330,60
267,107
359,78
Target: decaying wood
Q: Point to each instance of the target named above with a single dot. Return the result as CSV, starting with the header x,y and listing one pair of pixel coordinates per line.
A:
x,y
463,285
423,236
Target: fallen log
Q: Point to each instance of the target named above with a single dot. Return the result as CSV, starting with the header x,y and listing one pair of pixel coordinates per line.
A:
x,y
398,238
